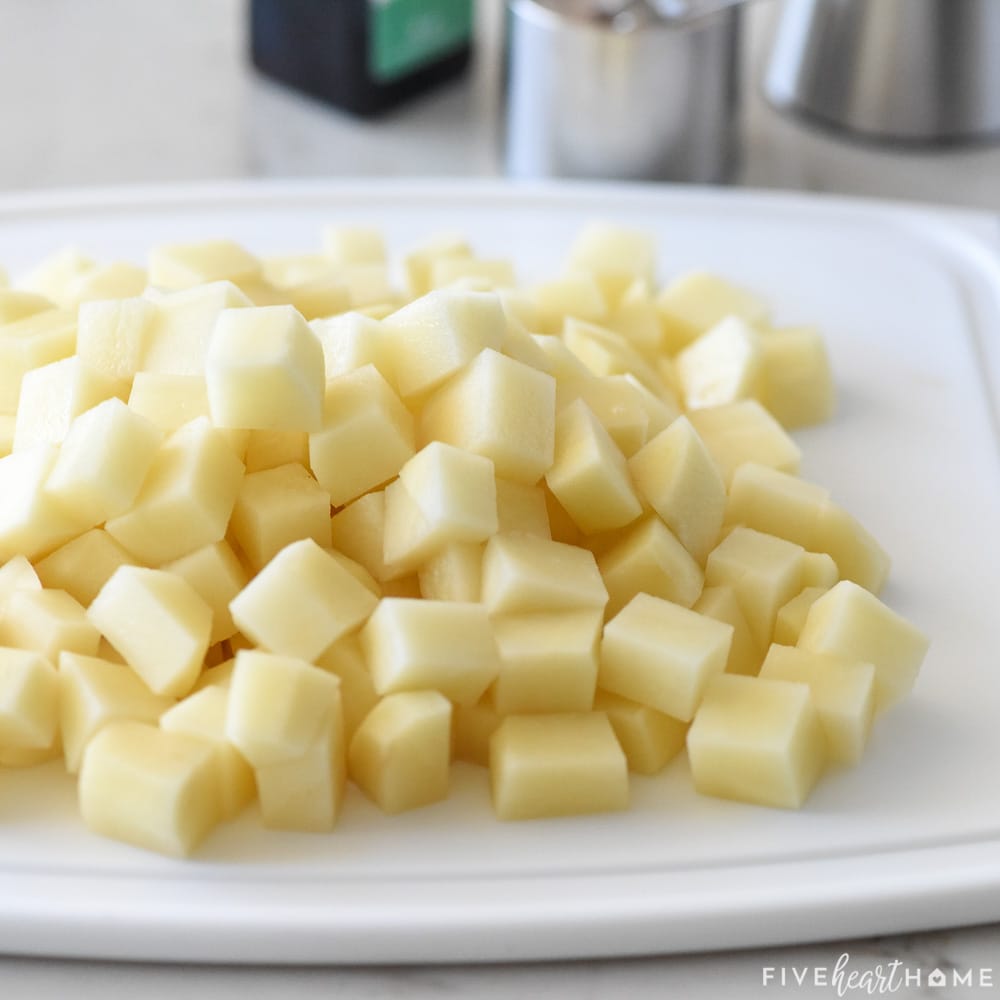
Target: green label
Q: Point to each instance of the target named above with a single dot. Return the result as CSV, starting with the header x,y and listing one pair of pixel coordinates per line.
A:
x,y
404,35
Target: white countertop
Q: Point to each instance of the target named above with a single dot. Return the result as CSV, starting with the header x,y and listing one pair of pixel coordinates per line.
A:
x,y
124,91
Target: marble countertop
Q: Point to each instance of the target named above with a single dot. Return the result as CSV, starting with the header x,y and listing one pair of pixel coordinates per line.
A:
x,y
125,91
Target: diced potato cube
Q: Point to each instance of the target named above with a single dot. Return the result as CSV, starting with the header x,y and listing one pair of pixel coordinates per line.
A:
x,y
346,245
114,335
366,437
48,621
412,644
265,371
662,655
183,325
29,700
357,692
557,765
17,304
721,603
436,335
53,276
472,726
31,523
578,296
93,692
358,530
523,574
694,302
765,572
284,270
218,676
792,615
843,692
318,298
119,280
636,318
168,400
269,449
548,662
819,570
16,574
305,793
757,740
744,432
589,475
605,353
217,576
278,706
858,555
186,498
776,503
443,495
419,262
30,343
497,273
399,756
649,559
675,474
202,715
158,622
181,265
83,565
150,788
649,739
618,404
798,386
723,365
352,341
851,622
103,461
276,507
615,256
521,507
453,573
301,602
498,408
357,571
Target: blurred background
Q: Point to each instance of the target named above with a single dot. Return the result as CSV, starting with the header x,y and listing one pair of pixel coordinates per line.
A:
x,y
106,92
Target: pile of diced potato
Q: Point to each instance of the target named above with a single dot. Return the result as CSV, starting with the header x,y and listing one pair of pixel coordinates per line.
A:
x,y
270,525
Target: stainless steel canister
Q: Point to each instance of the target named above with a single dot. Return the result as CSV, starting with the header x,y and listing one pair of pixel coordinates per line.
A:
x,y
628,89
919,70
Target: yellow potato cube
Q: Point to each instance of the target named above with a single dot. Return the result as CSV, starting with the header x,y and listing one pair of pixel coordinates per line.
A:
x,y
16,574
522,508
662,655
284,270
218,676
649,739
453,573
276,507
202,715
352,341
346,245
792,616
436,335
589,475
83,565
776,503
637,319
819,570
168,400
357,571
29,700
186,499
765,572
498,408
17,304
615,256
721,603
548,662
649,559
858,555
674,473
412,644
318,298
557,765
489,274
417,264
577,296
301,602
618,404
265,371
103,461
48,621
31,523
757,740
181,265
182,327
54,275
114,335
269,449
400,755
158,622
358,530
798,387
843,692
744,432
94,691
119,280
851,622
605,353
472,726
723,365
149,788
366,437
30,343
443,495
278,706
217,576
694,302
357,692
523,574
